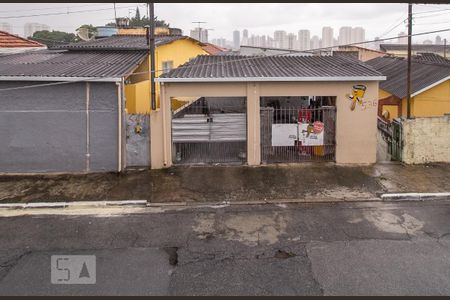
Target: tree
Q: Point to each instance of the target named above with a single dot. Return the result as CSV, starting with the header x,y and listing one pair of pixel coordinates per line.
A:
x,y
137,21
53,38
92,30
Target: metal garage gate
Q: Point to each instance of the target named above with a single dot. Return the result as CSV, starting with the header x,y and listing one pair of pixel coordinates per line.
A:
x,y
210,131
298,134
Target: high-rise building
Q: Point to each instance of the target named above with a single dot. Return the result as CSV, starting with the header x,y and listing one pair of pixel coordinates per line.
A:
x,y
291,41
236,39
345,35
438,40
402,38
327,37
376,44
315,42
304,39
244,40
5,27
358,35
280,37
31,28
200,34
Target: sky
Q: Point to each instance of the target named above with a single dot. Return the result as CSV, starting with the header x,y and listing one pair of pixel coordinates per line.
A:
x,y
259,18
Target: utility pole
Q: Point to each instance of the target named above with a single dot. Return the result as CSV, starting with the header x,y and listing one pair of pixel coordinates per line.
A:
x,y
152,55
408,84
115,14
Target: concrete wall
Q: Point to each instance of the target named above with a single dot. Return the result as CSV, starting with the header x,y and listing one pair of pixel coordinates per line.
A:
x,y
356,131
426,140
43,129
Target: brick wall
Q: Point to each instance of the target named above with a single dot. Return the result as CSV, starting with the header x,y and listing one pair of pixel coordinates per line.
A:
x,y
426,140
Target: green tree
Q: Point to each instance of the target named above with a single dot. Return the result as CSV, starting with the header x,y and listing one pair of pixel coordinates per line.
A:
x,y
53,38
92,30
139,21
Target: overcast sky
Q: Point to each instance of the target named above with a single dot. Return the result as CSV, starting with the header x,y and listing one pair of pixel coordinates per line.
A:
x,y
258,18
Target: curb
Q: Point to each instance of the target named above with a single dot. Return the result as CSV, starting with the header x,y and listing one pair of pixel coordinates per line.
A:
x,y
81,204
414,196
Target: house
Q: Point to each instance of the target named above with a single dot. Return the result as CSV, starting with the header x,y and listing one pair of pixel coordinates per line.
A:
x,y
361,53
63,111
267,109
10,43
402,49
430,86
213,49
170,52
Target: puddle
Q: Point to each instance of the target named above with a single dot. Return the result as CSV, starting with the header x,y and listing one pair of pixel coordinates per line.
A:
x,y
389,222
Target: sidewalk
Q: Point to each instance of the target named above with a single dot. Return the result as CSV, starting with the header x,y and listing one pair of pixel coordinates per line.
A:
x,y
305,182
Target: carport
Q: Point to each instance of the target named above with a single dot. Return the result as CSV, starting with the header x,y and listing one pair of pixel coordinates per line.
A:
x,y
317,107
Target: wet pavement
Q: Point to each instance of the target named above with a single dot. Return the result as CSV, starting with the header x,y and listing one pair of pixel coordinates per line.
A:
x,y
352,248
305,182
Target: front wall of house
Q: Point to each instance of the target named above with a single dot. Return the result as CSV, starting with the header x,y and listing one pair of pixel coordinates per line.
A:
x,y
43,129
355,130
433,102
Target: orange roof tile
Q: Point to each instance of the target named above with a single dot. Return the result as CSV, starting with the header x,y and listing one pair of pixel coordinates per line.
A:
x,y
212,49
8,40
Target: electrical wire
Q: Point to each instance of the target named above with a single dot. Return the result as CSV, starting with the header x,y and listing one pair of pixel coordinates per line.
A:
x,y
222,63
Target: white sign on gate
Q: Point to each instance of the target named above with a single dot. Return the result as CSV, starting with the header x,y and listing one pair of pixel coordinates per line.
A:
x,y
284,134
311,134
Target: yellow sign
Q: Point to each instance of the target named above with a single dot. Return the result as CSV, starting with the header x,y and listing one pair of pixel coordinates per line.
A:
x,y
357,95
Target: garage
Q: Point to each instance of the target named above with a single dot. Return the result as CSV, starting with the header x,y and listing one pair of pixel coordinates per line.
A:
x,y
297,109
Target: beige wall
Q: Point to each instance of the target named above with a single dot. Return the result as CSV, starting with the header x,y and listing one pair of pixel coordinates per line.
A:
x,y
426,140
356,130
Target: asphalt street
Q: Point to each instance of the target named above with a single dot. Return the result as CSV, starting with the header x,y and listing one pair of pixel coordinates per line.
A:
x,y
368,248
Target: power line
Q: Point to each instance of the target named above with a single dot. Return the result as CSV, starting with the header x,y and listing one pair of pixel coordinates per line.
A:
x,y
224,62
66,13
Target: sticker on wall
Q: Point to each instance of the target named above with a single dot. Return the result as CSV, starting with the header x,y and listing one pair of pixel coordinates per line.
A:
x,y
357,95
311,134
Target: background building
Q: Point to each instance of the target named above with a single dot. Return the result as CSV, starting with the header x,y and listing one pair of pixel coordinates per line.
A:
x,y
358,35
327,37
345,35
292,41
236,39
280,38
200,34
31,28
5,27
402,39
315,42
304,40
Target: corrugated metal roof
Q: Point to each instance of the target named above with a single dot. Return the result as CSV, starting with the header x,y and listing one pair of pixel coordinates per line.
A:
x,y
238,66
8,40
122,42
423,74
50,63
414,47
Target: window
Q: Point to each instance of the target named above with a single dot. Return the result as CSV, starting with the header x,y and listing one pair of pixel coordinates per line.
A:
x,y
167,66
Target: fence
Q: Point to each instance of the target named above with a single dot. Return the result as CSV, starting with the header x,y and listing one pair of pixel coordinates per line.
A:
x,y
392,133
298,135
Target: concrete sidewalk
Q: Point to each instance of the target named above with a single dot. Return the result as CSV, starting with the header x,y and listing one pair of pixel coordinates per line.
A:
x,y
306,182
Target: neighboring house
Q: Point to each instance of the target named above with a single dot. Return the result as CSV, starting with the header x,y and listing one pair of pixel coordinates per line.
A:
x,y
252,50
63,111
361,53
402,49
170,52
261,109
430,86
213,49
10,43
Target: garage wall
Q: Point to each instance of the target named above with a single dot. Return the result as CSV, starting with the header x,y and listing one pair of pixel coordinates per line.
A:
x,y
44,129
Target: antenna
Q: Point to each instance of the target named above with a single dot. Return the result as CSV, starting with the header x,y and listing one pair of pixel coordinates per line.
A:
x,y
199,22
83,33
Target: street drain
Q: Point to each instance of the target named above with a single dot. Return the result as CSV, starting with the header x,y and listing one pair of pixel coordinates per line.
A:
x,y
173,255
283,254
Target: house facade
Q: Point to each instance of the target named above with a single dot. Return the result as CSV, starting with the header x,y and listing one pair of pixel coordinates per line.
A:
x,y
170,52
430,86
254,110
10,43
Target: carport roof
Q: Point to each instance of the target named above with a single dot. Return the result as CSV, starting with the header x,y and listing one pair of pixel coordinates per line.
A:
x,y
211,68
67,65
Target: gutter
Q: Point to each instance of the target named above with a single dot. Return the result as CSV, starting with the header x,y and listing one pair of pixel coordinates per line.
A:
x,y
59,78
272,79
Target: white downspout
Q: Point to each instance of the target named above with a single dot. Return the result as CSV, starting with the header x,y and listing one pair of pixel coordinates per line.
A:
x,y
163,110
88,125
119,131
